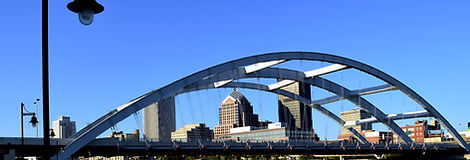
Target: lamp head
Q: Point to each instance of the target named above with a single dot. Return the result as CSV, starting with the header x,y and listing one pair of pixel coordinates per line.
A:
x,y
34,121
52,133
85,9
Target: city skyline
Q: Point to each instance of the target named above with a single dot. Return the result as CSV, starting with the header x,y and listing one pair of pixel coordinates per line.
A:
x,y
421,49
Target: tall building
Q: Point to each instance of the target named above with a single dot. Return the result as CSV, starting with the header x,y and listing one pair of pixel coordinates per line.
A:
x,y
355,115
235,111
63,127
297,115
159,120
193,132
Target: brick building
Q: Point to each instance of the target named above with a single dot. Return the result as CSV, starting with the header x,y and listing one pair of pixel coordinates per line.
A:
x,y
422,129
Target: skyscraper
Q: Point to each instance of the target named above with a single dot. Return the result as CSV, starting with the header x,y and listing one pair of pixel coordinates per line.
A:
x,y
297,115
355,115
63,127
235,111
159,120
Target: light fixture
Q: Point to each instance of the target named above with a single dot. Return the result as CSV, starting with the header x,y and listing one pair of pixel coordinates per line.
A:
x,y
34,121
52,133
85,9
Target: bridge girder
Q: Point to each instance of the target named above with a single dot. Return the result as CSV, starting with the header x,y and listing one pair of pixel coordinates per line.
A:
x,y
359,92
141,102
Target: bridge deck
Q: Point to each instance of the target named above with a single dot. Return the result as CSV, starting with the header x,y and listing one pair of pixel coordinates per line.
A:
x,y
114,147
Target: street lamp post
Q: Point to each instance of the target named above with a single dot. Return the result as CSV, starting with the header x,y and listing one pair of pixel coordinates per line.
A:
x,y
45,77
33,121
85,9
37,114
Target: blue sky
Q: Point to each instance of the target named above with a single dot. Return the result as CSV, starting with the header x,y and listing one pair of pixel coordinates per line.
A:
x,y
134,47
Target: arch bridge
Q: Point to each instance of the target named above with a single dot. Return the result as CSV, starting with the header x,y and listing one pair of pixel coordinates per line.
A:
x,y
263,66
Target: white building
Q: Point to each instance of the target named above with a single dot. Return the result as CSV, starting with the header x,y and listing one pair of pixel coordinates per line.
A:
x,y
63,127
464,134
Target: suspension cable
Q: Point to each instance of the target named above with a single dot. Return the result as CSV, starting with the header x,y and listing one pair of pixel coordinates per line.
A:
x,y
404,104
180,111
326,131
416,108
326,126
260,97
342,93
359,96
389,130
200,106
191,109
138,121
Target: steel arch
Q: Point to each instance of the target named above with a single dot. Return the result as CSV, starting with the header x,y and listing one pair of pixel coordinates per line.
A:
x,y
104,122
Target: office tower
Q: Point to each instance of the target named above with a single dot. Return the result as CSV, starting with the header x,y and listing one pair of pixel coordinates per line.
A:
x,y
297,115
159,120
235,111
63,127
355,115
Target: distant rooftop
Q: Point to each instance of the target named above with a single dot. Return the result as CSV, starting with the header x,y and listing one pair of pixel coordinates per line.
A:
x,y
237,95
